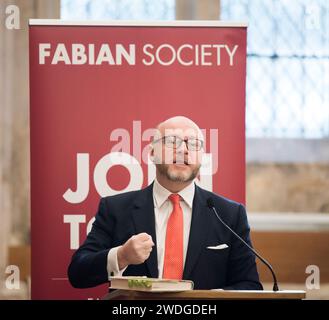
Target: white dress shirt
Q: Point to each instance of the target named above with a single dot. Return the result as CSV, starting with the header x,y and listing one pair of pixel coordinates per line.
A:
x,y
162,210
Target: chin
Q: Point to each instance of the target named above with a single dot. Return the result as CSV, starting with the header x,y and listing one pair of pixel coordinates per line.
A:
x,y
179,175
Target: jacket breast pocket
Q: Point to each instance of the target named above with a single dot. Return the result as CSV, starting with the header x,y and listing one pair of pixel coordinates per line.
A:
x,y
216,255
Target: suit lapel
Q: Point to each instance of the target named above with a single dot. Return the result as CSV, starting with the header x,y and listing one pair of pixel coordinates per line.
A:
x,y
144,220
198,232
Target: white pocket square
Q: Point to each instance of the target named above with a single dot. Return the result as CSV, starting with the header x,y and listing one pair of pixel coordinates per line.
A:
x,y
219,247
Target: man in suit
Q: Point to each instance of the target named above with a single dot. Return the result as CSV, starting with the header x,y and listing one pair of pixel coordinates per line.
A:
x,y
167,230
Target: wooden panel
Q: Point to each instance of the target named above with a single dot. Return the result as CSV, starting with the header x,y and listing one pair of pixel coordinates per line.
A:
x,y
20,256
290,253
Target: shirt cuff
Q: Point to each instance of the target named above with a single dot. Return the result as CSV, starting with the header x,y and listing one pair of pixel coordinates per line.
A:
x,y
112,263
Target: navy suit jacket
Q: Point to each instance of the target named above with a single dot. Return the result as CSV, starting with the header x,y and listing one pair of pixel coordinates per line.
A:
x,y
121,216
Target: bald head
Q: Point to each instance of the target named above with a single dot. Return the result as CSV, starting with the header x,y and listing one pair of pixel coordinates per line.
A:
x,y
179,124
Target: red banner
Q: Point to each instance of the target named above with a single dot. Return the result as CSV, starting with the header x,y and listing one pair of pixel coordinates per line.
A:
x,y
96,93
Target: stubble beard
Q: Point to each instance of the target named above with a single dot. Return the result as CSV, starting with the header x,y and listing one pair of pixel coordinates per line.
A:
x,y
175,175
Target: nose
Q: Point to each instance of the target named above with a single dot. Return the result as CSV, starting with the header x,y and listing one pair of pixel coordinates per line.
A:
x,y
183,148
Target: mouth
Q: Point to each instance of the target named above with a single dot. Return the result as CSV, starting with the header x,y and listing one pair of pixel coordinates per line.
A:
x,y
181,163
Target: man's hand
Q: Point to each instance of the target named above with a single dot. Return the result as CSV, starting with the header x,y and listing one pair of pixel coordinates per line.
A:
x,y
136,250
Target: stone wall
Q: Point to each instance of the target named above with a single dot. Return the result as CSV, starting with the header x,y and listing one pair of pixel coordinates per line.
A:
x,y
14,122
294,187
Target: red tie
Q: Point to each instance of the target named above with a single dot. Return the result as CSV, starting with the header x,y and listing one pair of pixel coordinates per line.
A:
x,y
173,259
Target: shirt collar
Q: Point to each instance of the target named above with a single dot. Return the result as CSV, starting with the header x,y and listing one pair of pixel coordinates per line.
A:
x,y
161,194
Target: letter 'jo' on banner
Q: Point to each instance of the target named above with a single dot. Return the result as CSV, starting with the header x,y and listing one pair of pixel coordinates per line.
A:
x,y
97,91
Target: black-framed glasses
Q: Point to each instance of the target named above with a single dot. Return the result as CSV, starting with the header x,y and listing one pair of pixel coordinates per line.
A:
x,y
174,142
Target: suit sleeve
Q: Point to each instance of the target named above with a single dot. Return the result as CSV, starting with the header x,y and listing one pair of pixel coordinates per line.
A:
x,y
242,270
88,267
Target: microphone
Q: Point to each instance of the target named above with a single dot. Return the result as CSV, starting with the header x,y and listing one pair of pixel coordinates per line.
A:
x,y
211,205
